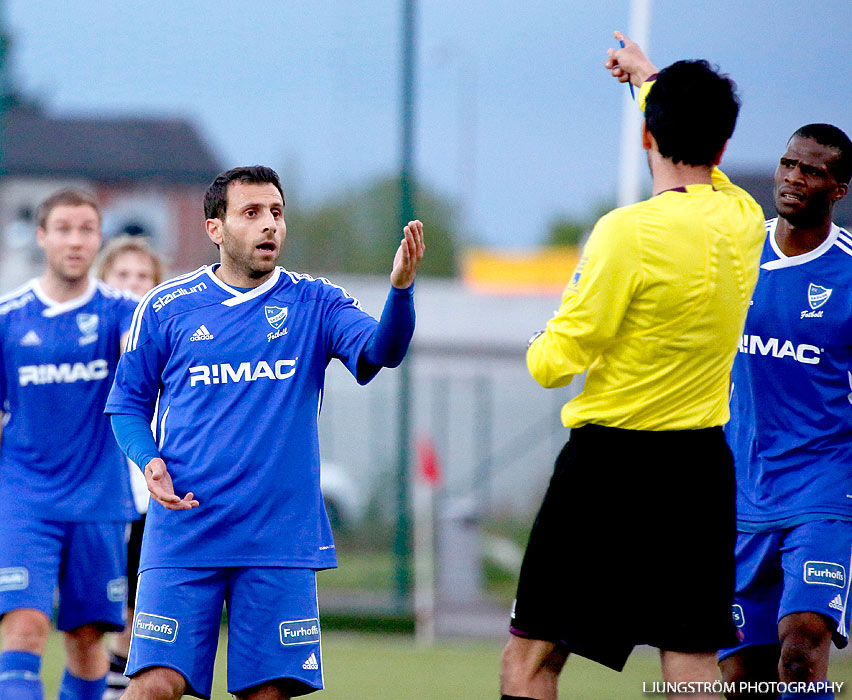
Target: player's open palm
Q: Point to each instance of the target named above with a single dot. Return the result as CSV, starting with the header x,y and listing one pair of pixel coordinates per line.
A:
x,y
161,488
408,256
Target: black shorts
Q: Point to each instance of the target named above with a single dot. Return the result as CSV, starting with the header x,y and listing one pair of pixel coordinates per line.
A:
x,y
634,544
134,549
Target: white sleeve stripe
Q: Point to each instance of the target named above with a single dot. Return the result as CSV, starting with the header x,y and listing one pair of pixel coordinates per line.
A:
x,y
298,276
136,324
163,428
845,248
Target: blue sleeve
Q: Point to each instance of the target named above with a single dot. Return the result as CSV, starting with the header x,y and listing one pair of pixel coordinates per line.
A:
x,y
390,340
128,306
348,328
137,377
135,438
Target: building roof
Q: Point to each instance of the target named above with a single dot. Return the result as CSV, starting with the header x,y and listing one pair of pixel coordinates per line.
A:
x,y
104,149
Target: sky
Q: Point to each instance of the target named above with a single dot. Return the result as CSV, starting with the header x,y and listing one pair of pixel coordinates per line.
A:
x,y
516,119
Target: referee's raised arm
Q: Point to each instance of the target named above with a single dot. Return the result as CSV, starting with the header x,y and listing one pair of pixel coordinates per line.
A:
x,y
653,314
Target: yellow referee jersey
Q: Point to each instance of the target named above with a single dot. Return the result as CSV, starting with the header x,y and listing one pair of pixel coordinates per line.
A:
x,y
655,311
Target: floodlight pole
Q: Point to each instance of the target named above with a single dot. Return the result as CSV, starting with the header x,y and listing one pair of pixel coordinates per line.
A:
x,y
5,84
402,539
630,162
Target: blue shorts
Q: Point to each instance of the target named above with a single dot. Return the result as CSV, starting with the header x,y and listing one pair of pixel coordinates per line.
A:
x,y
805,568
273,626
87,561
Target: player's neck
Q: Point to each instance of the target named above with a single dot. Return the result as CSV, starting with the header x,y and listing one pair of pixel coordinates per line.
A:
x,y
236,276
795,240
60,289
669,176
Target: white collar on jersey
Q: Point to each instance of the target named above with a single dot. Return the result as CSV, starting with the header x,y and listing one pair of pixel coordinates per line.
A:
x,y
793,260
238,297
55,308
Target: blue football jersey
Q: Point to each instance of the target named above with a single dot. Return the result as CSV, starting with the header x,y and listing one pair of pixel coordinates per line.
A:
x,y
58,456
791,397
240,377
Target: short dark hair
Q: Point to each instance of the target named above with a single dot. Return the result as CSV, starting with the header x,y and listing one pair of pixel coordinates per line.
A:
x,y
829,135
70,196
691,111
216,197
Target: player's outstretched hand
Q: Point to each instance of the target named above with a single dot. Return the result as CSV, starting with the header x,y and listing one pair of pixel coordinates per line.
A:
x,y
408,256
629,63
161,488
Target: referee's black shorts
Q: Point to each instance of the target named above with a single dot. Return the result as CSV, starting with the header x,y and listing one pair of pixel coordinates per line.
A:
x,y
634,544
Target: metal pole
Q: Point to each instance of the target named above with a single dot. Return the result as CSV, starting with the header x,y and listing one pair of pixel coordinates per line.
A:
x,y
5,84
630,163
402,541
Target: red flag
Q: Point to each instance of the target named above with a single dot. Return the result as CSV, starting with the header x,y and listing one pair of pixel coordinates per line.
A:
x,y
427,462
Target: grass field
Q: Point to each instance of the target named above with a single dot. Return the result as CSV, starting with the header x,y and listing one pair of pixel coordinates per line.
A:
x,y
377,667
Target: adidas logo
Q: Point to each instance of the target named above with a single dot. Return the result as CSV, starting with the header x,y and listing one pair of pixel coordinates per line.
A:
x,y
837,603
311,663
31,338
202,334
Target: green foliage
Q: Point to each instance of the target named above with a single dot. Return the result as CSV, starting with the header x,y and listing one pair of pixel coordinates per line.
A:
x,y
359,231
566,232
571,230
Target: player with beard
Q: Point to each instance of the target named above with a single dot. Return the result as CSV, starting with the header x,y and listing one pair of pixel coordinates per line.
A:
x,y
791,427
237,354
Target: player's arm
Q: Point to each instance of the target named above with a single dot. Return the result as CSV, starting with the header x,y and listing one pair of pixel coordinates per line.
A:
x,y
392,336
593,305
131,404
134,437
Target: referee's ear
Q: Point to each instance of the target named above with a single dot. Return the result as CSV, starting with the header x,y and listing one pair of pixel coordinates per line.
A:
x,y
648,142
718,157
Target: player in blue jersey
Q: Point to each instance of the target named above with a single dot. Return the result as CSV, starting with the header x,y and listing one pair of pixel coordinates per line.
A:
x,y
237,354
64,488
791,427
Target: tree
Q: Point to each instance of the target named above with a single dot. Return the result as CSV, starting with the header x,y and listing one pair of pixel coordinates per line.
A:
x,y
572,230
358,231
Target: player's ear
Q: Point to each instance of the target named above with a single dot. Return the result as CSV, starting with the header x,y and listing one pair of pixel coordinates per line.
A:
x,y
842,189
214,230
40,234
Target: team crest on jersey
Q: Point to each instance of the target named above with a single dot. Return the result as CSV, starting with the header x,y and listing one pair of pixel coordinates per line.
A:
x,y
88,325
817,296
275,316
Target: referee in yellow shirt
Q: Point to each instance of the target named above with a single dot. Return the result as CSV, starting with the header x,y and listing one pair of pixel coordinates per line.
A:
x,y
634,542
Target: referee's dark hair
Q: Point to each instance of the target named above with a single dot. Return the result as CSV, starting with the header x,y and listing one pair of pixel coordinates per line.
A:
x,y
216,197
832,137
691,111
